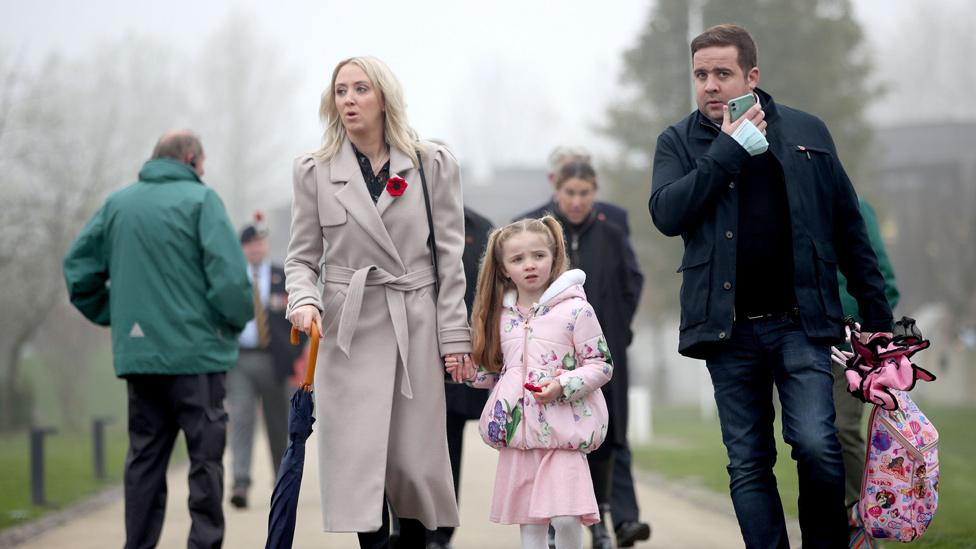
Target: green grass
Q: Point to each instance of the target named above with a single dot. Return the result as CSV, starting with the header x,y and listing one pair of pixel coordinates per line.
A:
x,y
688,449
69,467
69,456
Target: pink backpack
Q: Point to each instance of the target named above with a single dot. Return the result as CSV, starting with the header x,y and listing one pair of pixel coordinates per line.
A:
x,y
900,490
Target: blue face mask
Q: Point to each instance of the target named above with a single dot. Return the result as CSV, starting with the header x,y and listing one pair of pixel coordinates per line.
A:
x,y
751,139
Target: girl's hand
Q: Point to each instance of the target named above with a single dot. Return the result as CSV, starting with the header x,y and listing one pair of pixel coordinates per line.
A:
x,y
551,390
303,317
468,368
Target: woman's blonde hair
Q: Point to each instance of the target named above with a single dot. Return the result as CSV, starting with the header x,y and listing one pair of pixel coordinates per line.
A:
x,y
396,130
492,285
576,169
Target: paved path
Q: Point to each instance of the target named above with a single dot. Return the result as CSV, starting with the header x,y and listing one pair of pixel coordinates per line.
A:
x,y
678,520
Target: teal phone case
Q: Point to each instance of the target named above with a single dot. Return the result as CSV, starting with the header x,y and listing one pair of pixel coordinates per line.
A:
x,y
739,106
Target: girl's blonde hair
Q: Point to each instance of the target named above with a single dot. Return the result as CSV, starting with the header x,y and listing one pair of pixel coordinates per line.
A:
x,y
492,285
396,130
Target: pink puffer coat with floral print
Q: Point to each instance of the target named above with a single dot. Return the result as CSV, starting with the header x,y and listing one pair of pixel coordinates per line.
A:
x,y
559,338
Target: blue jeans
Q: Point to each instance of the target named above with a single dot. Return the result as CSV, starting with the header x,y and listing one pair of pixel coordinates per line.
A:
x,y
759,353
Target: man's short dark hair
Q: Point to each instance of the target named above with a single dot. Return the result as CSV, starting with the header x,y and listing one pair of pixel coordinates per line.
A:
x,y
729,34
177,145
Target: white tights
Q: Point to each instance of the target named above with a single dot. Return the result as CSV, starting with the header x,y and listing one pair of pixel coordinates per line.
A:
x,y
569,534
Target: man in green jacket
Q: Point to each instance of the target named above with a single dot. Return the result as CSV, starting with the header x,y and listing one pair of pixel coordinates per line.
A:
x,y
159,262
849,409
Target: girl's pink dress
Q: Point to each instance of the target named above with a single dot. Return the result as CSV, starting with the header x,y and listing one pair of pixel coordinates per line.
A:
x,y
531,486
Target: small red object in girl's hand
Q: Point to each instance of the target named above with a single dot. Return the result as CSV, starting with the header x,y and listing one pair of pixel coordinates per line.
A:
x,y
533,388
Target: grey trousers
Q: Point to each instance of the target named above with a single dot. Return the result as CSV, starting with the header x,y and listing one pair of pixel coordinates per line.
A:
x,y
254,383
851,434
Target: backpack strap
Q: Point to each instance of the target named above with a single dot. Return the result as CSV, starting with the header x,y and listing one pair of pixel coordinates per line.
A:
x,y
432,241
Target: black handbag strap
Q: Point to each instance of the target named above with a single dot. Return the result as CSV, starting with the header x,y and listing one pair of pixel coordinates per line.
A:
x,y
430,225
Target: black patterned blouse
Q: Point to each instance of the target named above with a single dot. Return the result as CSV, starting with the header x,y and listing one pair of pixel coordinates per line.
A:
x,y
376,184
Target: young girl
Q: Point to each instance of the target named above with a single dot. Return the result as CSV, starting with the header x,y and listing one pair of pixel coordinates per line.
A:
x,y
539,347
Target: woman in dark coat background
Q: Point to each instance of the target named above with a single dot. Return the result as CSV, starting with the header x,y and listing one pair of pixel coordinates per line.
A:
x,y
598,247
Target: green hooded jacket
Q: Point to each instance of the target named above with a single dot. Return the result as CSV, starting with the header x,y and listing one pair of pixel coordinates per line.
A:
x,y
160,263
884,265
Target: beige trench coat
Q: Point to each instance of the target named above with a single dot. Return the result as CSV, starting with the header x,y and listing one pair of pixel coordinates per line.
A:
x,y
379,391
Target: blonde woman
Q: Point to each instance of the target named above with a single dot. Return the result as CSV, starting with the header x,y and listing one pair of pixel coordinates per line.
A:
x,y
359,225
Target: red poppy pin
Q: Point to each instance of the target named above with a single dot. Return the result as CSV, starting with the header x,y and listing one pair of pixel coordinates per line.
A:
x,y
396,185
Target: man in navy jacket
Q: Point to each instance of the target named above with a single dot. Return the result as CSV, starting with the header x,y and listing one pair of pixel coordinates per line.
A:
x,y
764,233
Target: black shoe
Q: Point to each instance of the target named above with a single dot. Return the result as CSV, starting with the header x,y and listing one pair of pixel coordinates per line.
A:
x,y
438,545
601,536
238,498
632,531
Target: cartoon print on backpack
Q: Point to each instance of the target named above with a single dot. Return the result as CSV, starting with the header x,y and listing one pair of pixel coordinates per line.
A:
x,y
885,499
898,416
881,440
894,466
919,484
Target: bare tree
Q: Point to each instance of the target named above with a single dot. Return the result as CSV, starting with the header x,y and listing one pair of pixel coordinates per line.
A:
x,y
245,108
76,128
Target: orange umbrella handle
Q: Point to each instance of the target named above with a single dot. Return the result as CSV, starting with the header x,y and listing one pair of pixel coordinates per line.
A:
x,y
313,354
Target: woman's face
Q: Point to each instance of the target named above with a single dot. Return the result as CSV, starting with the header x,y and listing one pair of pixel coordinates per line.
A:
x,y
575,197
357,101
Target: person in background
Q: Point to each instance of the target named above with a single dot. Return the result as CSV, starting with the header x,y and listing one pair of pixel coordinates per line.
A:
x,y
159,262
849,409
628,527
266,360
463,403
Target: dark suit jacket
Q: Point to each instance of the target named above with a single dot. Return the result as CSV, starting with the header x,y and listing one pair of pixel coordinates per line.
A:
x,y
283,353
461,399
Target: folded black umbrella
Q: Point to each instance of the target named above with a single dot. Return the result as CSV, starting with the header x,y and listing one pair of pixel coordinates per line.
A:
x,y
284,499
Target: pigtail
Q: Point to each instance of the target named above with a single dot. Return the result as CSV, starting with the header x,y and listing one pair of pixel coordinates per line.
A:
x,y
560,262
486,314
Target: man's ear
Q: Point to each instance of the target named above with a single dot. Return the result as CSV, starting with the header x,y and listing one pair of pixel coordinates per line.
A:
x,y
752,77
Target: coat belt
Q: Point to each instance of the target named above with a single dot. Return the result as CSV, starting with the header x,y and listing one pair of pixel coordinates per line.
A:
x,y
395,286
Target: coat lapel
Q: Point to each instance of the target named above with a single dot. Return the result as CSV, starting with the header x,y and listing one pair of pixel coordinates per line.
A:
x,y
356,200
400,165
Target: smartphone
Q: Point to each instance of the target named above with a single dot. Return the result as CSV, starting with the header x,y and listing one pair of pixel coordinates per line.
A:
x,y
739,105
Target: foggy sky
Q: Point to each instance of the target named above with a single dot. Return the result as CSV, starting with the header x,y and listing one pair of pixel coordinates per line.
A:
x,y
502,81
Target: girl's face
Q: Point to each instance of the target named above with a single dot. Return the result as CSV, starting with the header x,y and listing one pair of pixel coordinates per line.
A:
x,y
575,197
527,260
357,100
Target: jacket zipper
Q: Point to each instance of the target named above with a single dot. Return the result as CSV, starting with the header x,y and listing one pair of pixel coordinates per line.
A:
x,y
574,248
525,379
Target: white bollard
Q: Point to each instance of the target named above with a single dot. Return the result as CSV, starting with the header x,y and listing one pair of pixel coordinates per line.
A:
x,y
639,425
